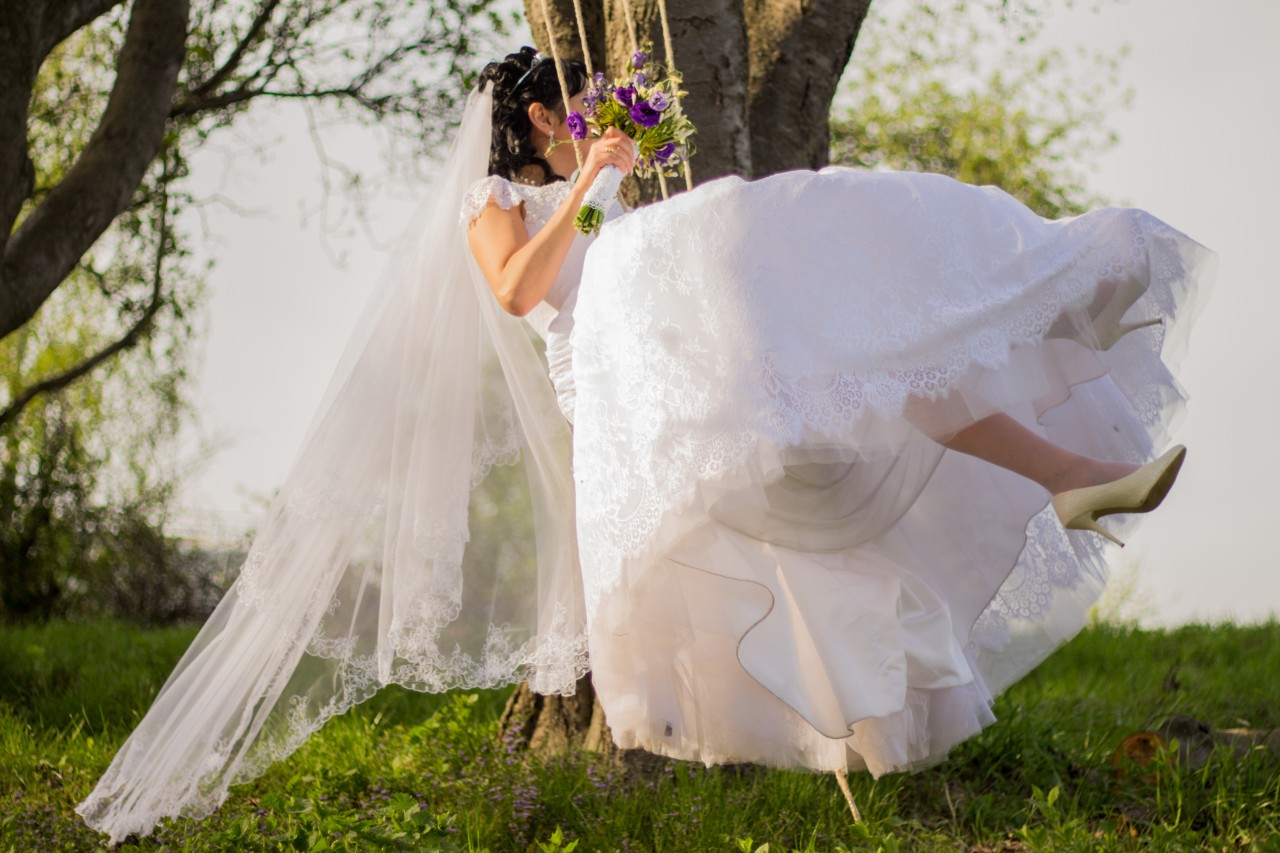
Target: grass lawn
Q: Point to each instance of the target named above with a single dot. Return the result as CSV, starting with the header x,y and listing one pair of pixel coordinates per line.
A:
x,y
421,772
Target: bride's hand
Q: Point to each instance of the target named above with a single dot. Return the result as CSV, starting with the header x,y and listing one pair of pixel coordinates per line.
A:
x,y
612,148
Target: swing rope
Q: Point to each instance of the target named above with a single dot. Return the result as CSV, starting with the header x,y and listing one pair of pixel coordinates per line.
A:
x,y
635,47
631,24
564,87
582,36
671,64
843,782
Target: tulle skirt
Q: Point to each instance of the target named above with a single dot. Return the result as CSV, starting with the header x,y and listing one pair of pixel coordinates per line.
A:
x,y
781,562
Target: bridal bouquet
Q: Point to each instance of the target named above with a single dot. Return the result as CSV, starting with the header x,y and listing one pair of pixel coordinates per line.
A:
x,y
645,105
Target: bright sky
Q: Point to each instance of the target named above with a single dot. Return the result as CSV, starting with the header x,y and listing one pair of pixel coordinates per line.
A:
x,y
1196,149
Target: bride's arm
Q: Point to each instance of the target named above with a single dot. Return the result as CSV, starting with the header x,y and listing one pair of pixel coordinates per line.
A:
x,y
521,270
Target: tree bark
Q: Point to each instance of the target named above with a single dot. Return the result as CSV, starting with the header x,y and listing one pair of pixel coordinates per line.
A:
x,y
798,53
19,32
61,18
550,724
760,75
50,241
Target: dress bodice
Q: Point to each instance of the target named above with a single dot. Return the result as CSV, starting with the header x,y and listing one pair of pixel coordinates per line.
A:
x,y
552,318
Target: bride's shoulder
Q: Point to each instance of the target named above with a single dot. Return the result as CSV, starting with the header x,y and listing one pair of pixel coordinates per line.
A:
x,y
493,188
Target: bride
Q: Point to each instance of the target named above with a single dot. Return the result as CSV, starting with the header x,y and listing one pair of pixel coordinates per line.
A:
x,y
804,470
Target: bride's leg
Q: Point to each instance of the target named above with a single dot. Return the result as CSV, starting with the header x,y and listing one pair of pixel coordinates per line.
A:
x,y
1001,440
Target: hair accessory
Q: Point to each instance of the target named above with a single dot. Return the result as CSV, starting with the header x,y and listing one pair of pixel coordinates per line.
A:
x,y
537,60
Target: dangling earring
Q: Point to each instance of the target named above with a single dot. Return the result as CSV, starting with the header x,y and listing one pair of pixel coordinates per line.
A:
x,y
552,142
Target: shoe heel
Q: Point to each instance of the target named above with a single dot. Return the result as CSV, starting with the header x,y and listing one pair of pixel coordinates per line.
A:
x,y
1107,326
1139,491
1088,522
1108,337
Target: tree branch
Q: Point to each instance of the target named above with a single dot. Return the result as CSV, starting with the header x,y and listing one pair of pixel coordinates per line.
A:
x,y
17,77
242,48
49,243
130,338
65,17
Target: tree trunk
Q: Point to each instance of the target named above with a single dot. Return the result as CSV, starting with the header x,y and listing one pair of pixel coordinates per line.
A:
x,y
760,75
554,724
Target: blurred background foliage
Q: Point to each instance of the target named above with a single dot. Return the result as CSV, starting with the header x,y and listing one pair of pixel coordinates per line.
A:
x,y
937,89
87,473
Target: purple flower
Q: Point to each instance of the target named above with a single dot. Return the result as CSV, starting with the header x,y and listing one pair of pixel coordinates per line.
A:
x,y
639,58
640,79
626,95
599,78
645,115
577,125
663,153
658,101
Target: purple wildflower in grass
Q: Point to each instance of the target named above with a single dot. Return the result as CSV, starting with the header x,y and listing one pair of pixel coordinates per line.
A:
x,y
645,115
658,101
525,806
593,775
577,125
626,95
663,153
639,58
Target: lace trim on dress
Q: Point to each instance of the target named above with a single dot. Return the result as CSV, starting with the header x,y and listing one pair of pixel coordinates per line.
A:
x,y
496,188
553,665
540,201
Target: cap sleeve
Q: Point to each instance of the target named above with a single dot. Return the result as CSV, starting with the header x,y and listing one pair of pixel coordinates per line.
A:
x,y
495,187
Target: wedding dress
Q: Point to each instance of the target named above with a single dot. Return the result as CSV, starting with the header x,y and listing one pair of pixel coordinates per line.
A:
x,y
781,565
749,535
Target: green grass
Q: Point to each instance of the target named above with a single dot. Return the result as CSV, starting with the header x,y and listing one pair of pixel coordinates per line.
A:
x,y
421,772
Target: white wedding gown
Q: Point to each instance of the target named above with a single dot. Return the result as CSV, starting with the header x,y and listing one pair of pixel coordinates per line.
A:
x,y
780,564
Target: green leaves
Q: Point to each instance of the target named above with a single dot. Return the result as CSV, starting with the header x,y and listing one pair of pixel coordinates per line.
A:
x,y
305,824
556,844
919,99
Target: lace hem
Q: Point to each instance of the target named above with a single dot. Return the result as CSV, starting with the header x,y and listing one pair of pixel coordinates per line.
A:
x,y
553,664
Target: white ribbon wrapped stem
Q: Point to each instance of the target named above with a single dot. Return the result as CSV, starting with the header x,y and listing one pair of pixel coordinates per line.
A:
x,y
604,189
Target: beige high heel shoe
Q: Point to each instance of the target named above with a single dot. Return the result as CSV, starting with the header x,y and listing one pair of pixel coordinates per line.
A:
x,y
1140,491
1107,328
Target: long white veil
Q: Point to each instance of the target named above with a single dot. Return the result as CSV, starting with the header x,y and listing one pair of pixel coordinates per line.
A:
x,y
424,536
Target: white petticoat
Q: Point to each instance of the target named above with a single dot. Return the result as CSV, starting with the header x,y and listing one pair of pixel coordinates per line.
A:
x,y
780,566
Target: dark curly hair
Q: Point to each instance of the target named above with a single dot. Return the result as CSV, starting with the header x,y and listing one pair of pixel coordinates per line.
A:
x,y
519,82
